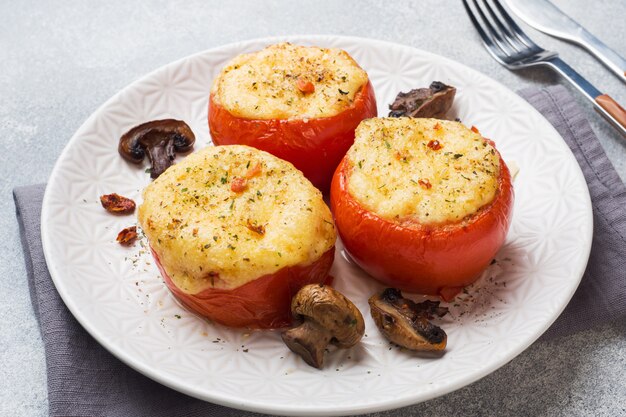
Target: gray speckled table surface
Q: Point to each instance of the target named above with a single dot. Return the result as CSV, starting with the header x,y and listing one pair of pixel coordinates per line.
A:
x,y
60,60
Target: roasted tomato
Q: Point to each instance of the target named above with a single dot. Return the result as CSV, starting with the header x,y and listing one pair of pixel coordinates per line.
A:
x,y
426,259
314,146
236,233
264,303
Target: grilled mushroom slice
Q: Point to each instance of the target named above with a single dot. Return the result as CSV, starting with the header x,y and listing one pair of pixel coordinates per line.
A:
x,y
434,101
327,317
406,323
161,139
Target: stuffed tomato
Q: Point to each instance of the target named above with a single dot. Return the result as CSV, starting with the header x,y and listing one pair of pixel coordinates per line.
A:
x,y
236,232
422,204
301,104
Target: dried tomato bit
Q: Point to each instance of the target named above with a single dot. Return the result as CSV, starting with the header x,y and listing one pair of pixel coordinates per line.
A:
x,y
238,185
437,126
256,228
117,204
402,157
448,293
435,145
127,236
305,87
194,232
475,129
254,171
425,184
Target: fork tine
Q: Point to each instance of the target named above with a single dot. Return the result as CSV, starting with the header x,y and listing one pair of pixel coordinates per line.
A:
x,y
512,40
495,34
494,49
517,31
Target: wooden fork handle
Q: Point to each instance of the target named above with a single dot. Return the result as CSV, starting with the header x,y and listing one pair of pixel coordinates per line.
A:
x,y
612,107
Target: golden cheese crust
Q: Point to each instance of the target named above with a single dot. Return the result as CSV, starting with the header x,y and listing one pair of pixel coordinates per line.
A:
x,y
425,170
268,84
227,215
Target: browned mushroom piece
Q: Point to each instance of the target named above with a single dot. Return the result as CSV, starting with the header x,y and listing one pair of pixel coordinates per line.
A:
x,y
434,101
327,317
160,139
407,323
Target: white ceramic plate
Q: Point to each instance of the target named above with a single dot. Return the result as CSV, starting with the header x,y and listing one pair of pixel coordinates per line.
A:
x,y
118,296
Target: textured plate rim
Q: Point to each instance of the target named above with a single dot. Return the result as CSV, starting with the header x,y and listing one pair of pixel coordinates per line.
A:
x,y
231,401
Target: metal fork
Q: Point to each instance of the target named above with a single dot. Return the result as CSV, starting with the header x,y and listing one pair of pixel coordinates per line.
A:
x,y
510,46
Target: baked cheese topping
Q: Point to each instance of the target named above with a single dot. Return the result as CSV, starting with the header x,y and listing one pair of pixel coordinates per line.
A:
x,y
425,170
227,215
286,81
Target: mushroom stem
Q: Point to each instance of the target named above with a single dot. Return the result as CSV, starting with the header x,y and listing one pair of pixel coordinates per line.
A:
x,y
309,340
161,155
327,317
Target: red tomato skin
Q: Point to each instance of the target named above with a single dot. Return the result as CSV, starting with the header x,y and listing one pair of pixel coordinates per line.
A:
x,y
431,260
315,146
264,303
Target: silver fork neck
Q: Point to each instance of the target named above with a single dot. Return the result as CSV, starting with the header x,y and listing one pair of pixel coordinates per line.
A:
x,y
578,80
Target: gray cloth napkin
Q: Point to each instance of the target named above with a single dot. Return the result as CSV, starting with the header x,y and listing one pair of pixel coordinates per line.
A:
x,y
601,296
86,380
